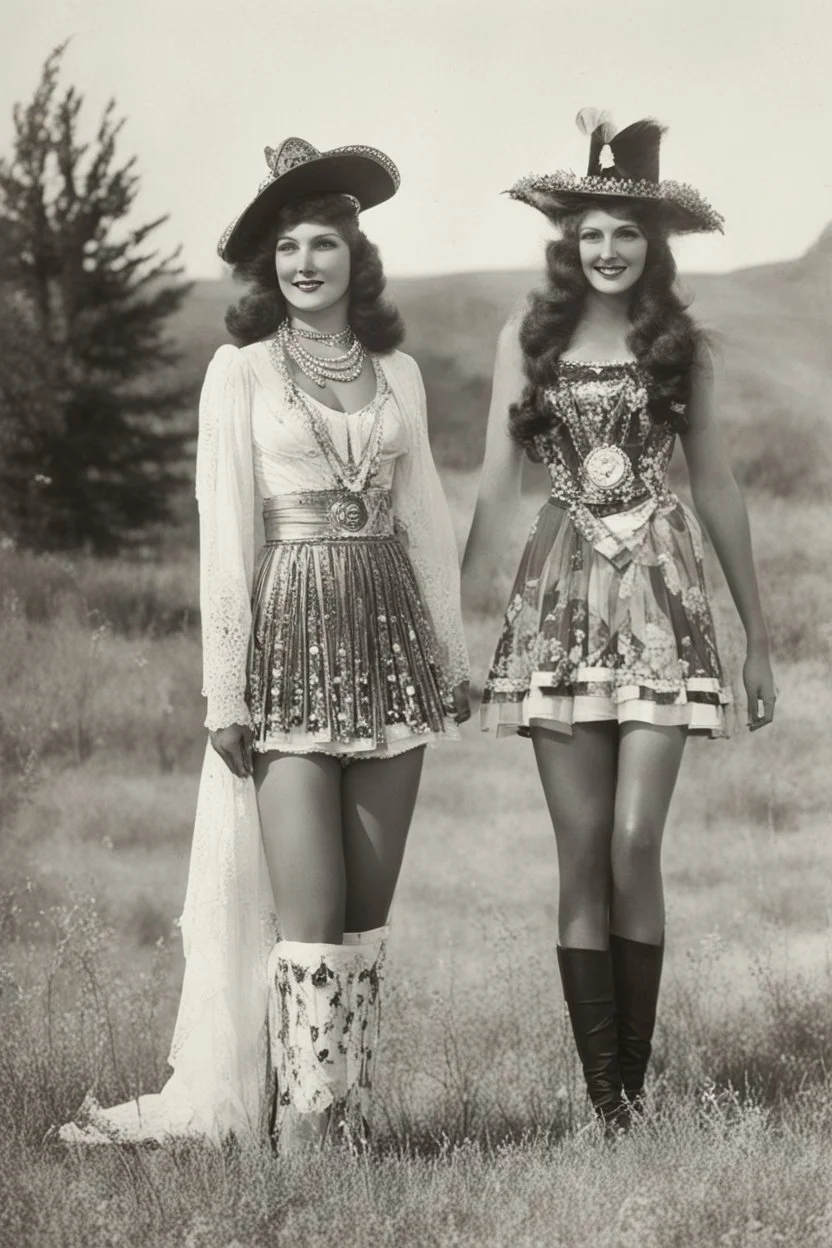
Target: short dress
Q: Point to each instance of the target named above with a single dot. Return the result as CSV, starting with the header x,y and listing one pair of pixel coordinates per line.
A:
x,y
354,639
608,617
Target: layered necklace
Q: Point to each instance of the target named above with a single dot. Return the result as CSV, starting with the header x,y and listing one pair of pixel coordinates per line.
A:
x,y
322,369
351,474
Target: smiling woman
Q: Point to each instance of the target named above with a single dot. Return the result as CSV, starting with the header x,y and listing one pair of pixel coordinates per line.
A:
x,y
333,653
607,658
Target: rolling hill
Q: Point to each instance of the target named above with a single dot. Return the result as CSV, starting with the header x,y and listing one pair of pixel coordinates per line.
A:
x,y
771,327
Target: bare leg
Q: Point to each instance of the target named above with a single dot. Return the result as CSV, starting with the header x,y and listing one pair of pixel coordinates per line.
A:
x,y
648,765
377,801
578,774
299,796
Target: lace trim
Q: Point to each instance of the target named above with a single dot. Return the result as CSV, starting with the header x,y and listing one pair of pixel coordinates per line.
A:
x,y
423,514
225,494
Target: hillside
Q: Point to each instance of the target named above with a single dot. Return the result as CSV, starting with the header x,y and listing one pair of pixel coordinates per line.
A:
x,y
770,328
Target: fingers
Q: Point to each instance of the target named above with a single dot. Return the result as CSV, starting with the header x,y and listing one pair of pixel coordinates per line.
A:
x,y
761,710
463,708
236,755
248,753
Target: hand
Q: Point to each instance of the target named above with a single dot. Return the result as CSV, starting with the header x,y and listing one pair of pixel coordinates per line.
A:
x,y
233,744
462,707
759,687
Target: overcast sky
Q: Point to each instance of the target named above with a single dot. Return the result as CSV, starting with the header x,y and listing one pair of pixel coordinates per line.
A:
x,y
465,95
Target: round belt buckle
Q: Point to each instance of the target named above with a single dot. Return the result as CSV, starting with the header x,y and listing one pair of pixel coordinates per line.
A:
x,y
349,513
606,467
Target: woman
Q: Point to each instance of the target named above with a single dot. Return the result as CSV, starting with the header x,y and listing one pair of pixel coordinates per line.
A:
x,y
327,669
607,657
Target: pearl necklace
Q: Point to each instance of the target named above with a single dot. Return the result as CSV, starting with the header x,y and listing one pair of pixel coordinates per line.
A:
x,y
346,367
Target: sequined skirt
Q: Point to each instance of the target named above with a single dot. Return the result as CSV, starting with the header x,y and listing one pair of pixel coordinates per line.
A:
x,y
342,658
587,639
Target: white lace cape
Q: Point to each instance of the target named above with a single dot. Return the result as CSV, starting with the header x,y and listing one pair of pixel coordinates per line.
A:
x,y
218,1052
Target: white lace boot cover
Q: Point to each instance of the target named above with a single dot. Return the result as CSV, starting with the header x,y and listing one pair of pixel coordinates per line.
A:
x,y
367,995
323,1025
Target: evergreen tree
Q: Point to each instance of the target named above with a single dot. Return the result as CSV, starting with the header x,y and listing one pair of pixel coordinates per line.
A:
x,y
90,448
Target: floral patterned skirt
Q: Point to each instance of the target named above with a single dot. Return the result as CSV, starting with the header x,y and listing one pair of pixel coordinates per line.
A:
x,y
343,658
585,639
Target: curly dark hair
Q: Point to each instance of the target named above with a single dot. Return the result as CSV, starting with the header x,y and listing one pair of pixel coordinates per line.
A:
x,y
663,337
374,320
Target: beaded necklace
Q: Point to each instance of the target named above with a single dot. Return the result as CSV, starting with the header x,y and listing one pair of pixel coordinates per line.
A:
x,y
351,474
320,369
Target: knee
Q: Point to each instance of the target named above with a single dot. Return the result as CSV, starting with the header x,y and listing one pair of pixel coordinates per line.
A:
x,y
585,863
636,844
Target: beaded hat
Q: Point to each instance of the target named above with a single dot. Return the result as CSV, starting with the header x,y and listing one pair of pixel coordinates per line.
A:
x,y
623,164
298,170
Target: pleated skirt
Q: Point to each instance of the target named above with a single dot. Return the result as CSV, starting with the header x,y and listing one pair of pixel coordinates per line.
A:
x,y
343,658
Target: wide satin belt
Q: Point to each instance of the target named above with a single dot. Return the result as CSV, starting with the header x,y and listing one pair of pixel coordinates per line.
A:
x,y
328,516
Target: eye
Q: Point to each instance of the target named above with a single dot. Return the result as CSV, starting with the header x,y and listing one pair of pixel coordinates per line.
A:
x,y
285,247
590,236
629,233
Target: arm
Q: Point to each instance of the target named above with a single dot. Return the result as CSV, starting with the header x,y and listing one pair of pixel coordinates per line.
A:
x,y
720,505
420,506
225,494
499,489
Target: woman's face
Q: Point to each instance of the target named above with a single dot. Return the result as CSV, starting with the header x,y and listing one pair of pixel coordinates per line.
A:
x,y
313,266
613,251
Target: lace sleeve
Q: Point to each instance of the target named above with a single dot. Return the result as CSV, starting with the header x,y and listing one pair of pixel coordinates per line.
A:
x,y
225,495
421,509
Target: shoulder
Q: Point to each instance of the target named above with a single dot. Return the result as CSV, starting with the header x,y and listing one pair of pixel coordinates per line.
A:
x,y
509,345
229,367
702,367
400,362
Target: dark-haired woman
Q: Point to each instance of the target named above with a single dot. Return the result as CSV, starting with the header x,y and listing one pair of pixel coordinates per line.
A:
x,y
331,659
607,658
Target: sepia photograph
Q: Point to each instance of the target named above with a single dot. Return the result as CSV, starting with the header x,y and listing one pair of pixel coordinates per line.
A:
x,y
415,460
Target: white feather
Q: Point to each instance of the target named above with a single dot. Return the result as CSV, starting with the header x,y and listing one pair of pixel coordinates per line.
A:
x,y
589,119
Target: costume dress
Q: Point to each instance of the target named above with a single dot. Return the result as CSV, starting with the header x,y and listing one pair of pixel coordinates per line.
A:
x,y
344,635
608,618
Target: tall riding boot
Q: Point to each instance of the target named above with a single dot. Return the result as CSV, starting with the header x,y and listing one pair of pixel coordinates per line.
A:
x,y
586,975
366,1006
637,972
313,1030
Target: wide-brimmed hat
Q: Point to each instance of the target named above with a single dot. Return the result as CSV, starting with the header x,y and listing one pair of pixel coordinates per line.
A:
x,y
623,164
297,170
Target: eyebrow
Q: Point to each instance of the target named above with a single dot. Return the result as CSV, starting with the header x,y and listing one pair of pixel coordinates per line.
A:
x,y
315,237
623,225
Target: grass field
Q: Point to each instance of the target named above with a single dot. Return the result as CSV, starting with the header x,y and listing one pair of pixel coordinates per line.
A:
x,y
481,1121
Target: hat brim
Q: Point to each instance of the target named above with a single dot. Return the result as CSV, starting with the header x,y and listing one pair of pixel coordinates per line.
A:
x,y
683,210
344,173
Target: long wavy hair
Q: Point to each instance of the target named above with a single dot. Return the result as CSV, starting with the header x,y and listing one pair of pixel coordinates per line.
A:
x,y
663,337
374,320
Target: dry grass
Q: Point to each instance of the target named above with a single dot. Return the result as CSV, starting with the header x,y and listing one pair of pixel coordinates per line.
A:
x,y
480,1111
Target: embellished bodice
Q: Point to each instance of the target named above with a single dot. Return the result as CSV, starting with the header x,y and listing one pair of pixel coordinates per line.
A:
x,y
603,450
287,456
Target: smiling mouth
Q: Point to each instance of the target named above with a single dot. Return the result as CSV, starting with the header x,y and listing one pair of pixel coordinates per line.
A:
x,y
610,270
307,287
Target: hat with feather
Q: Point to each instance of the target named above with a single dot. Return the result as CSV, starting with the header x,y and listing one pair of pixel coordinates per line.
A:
x,y
297,170
623,164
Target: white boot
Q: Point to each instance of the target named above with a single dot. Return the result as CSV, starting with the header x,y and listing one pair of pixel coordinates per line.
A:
x,y
366,1029
310,1035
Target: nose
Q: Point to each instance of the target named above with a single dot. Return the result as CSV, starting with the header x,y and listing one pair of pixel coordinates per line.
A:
x,y
609,250
305,262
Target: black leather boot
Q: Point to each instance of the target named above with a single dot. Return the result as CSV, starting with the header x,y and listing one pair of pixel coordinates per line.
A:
x,y
586,975
637,972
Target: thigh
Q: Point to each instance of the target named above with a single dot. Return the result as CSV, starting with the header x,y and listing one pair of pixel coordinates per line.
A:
x,y
649,757
377,801
299,796
578,774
